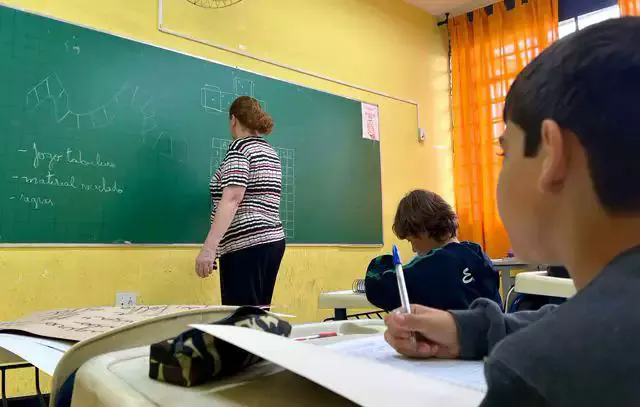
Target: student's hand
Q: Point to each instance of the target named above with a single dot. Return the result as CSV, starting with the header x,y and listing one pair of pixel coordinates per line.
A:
x,y
206,262
425,333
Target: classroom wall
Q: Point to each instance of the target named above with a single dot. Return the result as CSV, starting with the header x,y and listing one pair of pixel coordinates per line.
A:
x,y
385,45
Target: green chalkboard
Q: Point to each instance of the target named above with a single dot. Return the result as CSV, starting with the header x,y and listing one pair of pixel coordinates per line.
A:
x,y
105,140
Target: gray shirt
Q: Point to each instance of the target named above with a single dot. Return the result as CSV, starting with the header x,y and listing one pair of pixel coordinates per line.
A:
x,y
583,353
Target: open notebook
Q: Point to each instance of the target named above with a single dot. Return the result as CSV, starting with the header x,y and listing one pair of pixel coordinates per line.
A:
x,y
469,374
362,371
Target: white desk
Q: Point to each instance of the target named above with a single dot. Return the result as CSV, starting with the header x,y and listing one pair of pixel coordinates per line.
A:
x,y
539,283
121,379
340,301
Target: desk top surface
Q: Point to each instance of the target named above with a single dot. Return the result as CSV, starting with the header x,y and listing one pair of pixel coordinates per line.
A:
x,y
120,379
344,299
539,283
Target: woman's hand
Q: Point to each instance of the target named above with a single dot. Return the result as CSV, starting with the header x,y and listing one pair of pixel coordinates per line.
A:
x,y
206,262
425,333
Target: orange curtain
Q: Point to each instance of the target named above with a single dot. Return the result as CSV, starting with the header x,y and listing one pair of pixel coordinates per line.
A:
x,y
629,7
486,55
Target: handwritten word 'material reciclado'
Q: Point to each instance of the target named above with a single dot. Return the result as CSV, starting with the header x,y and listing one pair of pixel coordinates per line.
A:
x,y
51,179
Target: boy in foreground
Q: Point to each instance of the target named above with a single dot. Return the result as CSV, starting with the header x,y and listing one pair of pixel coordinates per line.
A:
x,y
568,194
446,273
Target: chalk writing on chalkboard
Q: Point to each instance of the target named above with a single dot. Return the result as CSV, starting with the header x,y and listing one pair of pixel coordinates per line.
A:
x,y
45,164
67,156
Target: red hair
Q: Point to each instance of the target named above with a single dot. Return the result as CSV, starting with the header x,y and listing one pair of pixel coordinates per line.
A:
x,y
250,114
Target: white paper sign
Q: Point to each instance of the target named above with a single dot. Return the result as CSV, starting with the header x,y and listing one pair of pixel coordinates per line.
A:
x,y
370,122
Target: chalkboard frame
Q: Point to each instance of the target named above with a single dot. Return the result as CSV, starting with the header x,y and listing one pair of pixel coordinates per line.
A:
x,y
133,245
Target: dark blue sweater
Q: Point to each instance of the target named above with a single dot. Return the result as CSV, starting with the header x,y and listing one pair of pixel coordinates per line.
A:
x,y
450,278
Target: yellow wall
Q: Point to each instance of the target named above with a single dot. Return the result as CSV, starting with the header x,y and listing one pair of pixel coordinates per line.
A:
x,y
381,44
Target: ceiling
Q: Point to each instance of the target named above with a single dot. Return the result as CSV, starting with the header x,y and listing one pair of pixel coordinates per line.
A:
x,y
454,7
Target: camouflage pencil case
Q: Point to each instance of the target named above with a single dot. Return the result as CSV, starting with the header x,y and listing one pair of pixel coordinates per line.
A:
x,y
194,357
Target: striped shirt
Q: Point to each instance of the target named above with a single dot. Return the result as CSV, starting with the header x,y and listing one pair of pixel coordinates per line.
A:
x,y
253,164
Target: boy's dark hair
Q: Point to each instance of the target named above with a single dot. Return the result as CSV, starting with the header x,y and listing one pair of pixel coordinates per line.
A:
x,y
589,83
423,212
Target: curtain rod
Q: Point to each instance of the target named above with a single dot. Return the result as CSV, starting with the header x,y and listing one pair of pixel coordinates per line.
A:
x,y
509,4
445,21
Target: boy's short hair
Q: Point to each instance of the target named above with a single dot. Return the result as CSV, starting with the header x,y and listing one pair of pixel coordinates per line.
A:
x,y
422,213
589,83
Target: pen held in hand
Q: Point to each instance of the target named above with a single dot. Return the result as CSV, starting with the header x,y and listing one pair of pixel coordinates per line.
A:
x,y
404,294
402,286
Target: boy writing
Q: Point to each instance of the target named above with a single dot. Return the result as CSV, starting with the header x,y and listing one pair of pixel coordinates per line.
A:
x,y
446,273
567,194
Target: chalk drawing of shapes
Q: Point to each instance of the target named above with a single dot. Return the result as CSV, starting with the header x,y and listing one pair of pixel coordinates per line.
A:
x,y
149,138
148,110
140,98
110,110
49,88
263,104
217,143
84,121
213,166
180,150
52,90
163,144
37,94
70,121
61,106
211,98
243,87
149,124
176,149
125,94
99,118
227,100
32,99
54,85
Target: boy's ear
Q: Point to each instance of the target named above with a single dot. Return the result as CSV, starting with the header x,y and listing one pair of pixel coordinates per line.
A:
x,y
553,155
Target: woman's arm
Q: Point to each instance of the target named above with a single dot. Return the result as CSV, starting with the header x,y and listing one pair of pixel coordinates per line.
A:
x,y
225,212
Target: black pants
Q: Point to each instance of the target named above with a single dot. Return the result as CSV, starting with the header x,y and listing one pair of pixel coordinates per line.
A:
x,y
248,276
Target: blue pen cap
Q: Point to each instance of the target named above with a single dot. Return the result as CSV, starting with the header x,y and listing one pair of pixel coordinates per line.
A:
x,y
396,256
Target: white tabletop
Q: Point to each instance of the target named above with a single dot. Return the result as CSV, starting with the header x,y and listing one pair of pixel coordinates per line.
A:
x,y
344,299
539,283
121,379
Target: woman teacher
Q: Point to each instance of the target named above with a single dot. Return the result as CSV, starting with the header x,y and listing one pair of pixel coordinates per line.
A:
x,y
246,231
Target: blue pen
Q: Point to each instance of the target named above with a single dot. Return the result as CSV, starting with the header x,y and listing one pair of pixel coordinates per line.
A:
x,y
402,286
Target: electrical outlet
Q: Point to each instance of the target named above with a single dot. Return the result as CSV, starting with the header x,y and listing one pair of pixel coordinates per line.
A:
x,y
125,300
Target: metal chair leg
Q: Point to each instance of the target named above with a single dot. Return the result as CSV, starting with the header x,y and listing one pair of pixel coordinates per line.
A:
x,y
507,298
5,402
43,402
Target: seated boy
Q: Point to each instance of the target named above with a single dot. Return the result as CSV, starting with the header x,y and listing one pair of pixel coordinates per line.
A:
x,y
446,273
568,194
